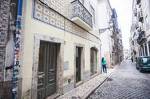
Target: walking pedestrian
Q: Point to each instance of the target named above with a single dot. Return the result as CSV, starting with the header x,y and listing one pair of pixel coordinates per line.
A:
x,y
104,68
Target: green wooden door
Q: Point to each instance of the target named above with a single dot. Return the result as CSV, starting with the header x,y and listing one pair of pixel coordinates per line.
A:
x,y
47,69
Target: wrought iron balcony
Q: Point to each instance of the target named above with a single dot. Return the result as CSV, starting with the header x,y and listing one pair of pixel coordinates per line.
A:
x,y
141,38
81,16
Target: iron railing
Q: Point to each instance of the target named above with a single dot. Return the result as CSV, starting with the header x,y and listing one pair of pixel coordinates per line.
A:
x,y
79,10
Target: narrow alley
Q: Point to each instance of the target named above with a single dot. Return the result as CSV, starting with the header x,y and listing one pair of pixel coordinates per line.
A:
x,y
74,49
125,83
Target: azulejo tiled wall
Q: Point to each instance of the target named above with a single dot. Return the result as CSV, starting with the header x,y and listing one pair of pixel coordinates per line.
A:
x,y
49,11
46,15
4,17
59,5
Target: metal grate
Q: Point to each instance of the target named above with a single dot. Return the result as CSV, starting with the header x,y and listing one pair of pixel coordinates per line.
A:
x,y
80,11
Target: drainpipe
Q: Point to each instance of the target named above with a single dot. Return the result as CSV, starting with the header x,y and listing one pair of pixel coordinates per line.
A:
x,y
17,39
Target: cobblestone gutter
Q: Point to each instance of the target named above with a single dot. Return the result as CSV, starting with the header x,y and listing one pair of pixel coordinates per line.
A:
x,y
83,91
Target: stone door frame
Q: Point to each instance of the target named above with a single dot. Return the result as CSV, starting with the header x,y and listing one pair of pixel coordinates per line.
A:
x,y
59,74
82,64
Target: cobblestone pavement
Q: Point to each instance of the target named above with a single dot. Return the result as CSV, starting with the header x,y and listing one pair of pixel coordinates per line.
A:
x,y
125,83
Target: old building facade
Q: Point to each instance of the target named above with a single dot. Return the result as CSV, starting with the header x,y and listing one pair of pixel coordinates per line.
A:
x,y
140,28
117,46
57,46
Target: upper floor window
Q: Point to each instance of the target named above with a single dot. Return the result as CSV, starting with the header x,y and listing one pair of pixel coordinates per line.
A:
x,y
93,14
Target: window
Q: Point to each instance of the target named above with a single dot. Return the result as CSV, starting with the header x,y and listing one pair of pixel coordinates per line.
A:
x,y
93,14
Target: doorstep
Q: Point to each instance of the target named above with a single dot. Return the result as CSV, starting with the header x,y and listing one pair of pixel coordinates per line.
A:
x,y
84,90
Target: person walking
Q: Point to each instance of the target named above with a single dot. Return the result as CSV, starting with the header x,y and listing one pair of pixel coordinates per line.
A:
x,y
104,68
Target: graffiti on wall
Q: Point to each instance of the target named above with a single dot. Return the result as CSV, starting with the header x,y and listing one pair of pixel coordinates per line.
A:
x,y
9,57
17,40
16,66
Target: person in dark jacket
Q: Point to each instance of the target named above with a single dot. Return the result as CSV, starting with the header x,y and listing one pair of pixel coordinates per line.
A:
x,y
104,68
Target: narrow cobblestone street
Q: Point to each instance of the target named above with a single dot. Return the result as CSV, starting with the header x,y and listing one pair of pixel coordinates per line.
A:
x,y
125,83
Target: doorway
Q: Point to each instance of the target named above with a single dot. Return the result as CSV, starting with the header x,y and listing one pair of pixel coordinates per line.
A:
x,y
47,69
78,63
93,61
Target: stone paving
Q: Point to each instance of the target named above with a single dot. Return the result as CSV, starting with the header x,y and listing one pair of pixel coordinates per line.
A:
x,y
86,88
125,83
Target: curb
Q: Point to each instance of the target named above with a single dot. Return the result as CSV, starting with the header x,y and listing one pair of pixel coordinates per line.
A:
x,y
99,85
115,67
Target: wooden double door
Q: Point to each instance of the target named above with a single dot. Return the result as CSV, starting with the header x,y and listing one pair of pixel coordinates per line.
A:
x,y
47,69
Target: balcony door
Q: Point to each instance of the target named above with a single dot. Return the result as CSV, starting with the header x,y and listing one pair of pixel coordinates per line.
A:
x,y
47,69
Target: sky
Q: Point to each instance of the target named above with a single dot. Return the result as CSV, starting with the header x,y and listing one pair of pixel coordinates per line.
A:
x,y
124,12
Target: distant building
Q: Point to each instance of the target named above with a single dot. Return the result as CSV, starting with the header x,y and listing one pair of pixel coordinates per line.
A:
x,y
117,55
104,19
127,54
110,34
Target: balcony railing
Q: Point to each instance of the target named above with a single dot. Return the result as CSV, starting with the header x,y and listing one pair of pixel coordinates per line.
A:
x,y
81,16
141,38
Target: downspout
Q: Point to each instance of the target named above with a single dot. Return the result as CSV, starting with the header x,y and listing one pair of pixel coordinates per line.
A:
x,y
17,44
